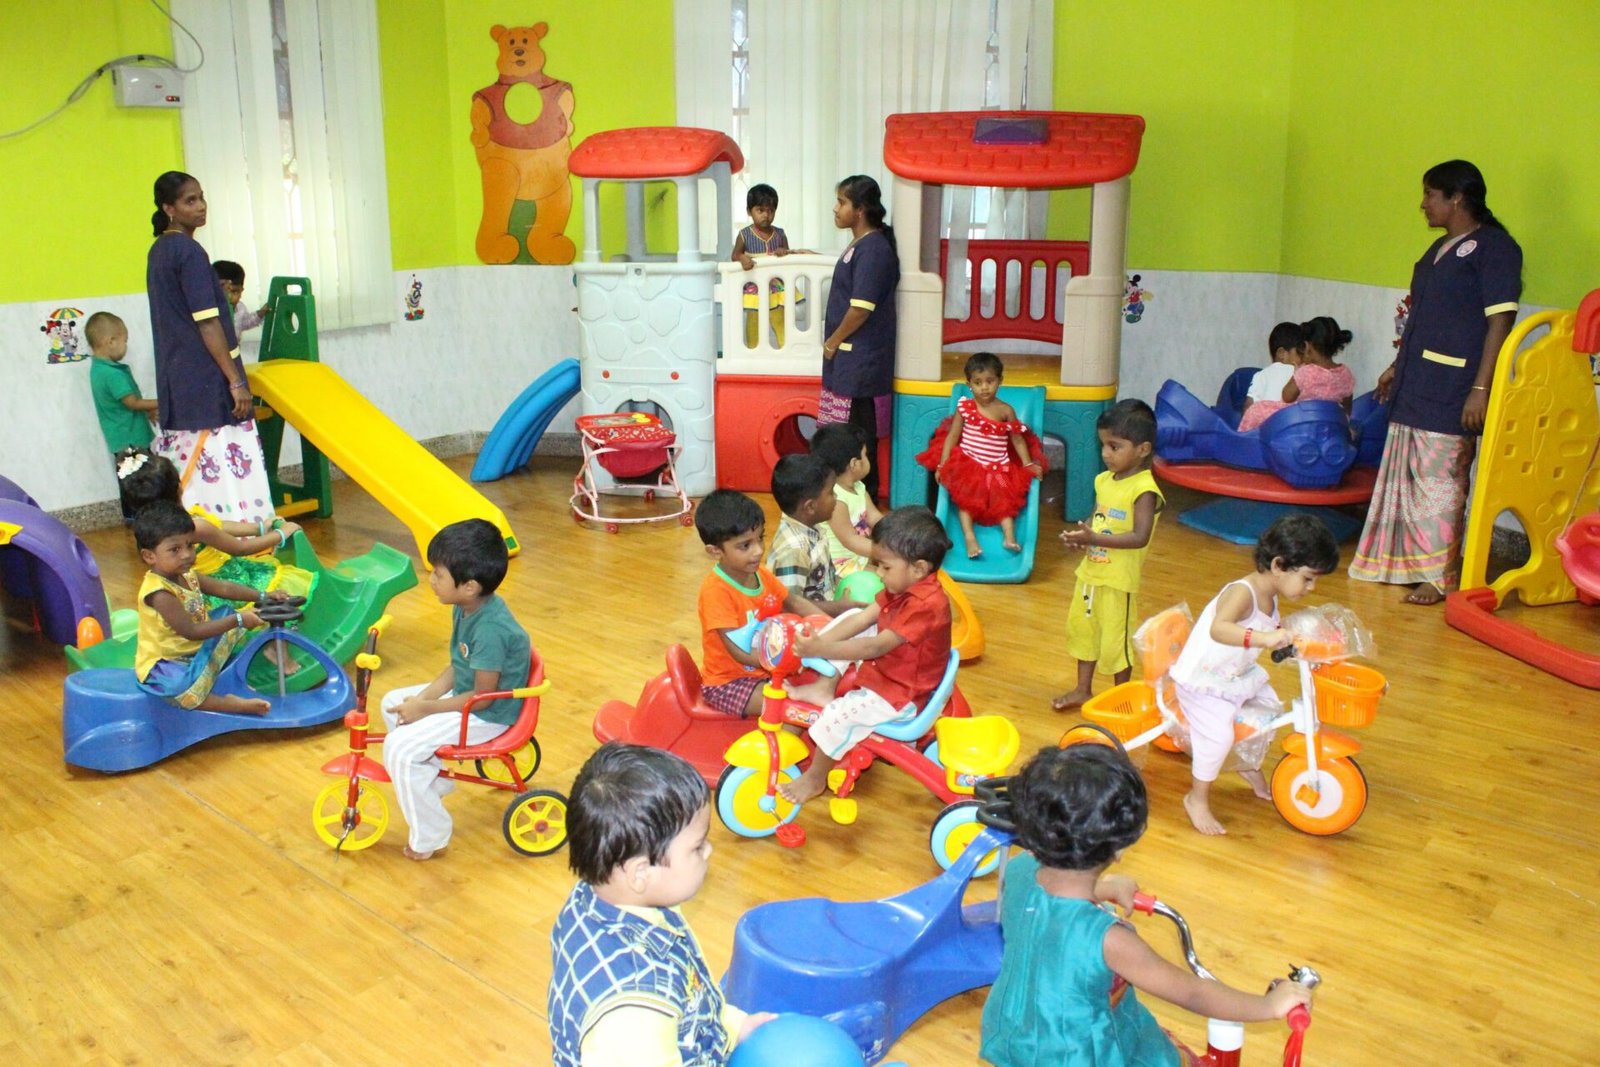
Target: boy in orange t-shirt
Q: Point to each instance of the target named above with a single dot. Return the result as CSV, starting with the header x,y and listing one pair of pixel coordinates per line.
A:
x,y
732,526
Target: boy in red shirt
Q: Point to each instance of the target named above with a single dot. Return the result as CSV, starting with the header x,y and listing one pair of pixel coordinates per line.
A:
x,y
732,526
902,639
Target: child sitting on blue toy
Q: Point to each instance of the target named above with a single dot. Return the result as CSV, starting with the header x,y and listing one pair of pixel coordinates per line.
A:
x,y
984,457
846,450
1317,377
182,643
1285,345
1062,994
1115,540
489,651
1216,676
902,641
731,526
629,984
239,552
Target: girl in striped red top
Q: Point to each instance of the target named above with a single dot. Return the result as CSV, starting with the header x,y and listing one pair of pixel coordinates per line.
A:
x,y
984,457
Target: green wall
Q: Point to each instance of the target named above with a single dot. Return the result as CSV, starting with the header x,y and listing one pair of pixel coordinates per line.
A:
x,y
1280,137
1292,137
1383,91
1210,79
75,210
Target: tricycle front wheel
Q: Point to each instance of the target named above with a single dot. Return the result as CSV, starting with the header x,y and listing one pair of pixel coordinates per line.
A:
x,y
357,827
740,795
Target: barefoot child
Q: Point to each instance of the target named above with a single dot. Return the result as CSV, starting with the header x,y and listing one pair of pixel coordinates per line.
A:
x,y
1061,995
1216,675
489,651
1285,344
183,645
902,640
843,448
629,984
802,485
1127,503
987,459
1316,377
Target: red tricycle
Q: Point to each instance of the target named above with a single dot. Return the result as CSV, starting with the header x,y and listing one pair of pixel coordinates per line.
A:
x,y
352,815
941,746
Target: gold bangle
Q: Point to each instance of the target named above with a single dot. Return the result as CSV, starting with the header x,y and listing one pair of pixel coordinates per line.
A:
x,y
1485,388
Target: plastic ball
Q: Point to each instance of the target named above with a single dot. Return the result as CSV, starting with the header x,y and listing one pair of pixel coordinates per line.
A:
x,y
862,587
797,1041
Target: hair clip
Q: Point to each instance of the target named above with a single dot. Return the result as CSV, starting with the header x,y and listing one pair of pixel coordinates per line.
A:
x,y
131,464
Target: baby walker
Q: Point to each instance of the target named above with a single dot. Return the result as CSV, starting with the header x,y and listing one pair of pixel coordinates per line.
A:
x,y
351,815
628,445
1317,787
966,751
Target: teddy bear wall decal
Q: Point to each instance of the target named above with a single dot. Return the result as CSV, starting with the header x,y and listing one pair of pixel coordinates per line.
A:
x,y
524,163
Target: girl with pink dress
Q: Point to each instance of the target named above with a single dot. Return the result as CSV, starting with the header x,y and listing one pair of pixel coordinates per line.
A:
x,y
1317,377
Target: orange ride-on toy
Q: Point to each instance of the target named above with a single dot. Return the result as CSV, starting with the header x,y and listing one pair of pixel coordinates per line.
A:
x,y
352,814
1317,786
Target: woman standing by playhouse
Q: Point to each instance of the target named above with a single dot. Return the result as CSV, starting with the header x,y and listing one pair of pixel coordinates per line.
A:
x,y
207,416
858,352
1464,293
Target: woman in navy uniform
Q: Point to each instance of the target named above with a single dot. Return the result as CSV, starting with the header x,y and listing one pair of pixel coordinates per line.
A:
x,y
859,327
1464,293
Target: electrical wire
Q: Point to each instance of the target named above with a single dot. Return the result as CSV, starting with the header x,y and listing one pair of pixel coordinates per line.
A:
x,y
121,61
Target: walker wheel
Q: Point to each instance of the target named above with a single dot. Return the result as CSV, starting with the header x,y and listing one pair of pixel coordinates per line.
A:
x,y
612,527
577,516
649,495
687,519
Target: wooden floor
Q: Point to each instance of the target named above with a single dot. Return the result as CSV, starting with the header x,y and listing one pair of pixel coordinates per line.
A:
x,y
187,913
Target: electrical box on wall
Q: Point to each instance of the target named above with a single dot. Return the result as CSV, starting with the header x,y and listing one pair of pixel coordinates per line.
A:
x,y
147,86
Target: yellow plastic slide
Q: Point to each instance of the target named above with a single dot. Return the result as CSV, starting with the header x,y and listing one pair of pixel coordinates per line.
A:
x,y
364,443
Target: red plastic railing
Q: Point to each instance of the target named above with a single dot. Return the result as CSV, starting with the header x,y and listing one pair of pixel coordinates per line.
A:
x,y
1035,316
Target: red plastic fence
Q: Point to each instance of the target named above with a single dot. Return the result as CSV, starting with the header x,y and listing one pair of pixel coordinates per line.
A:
x,y
1023,306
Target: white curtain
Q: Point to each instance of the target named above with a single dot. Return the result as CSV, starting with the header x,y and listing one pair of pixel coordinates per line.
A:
x,y
825,75
234,143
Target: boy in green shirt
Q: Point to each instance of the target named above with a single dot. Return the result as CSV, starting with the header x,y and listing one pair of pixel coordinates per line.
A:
x,y
123,412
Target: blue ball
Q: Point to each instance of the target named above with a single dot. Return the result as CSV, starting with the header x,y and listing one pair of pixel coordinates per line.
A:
x,y
797,1041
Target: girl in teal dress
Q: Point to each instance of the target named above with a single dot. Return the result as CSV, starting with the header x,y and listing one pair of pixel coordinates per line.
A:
x,y
1063,996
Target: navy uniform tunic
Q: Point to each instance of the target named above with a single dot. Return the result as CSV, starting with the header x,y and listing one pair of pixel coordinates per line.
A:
x,y
1442,347
184,291
865,277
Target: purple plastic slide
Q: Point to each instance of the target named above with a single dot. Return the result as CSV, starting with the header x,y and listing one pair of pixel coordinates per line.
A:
x,y
43,561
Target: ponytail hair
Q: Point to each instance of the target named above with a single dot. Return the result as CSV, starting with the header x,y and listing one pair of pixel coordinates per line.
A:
x,y
1458,176
865,196
166,192
1324,333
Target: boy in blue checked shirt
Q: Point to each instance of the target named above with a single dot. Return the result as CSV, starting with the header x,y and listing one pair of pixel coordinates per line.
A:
x,y
629,986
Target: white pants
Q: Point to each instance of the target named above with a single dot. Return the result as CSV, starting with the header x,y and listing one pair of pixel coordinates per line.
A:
x,y
848,720
408,756
1211,729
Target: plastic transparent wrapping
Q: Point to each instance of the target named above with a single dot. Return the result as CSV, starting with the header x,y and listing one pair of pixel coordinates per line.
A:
x,y
1252,739
1328,634
1160,638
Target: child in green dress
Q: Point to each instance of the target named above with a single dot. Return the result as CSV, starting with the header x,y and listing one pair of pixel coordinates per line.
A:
x,y
1063,995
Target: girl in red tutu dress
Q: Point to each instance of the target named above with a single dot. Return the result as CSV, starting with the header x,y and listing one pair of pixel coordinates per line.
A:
x,y
984,457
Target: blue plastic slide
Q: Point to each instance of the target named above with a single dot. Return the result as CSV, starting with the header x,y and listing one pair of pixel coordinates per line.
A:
x,y
517,433
996,565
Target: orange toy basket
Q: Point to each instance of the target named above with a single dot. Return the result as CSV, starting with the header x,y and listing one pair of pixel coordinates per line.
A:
x,y
1348,694
1127,710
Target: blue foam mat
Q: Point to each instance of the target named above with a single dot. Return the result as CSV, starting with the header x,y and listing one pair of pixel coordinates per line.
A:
x,y
1244,521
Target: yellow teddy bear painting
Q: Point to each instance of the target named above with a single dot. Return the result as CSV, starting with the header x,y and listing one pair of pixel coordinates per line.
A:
x,y
521,129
